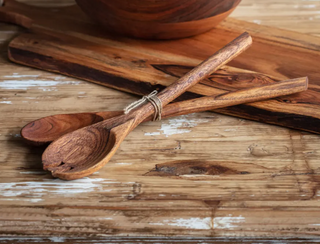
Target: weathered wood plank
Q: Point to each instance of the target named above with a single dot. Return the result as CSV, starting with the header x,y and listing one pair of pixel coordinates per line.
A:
x,y
139,67
261,182
112,240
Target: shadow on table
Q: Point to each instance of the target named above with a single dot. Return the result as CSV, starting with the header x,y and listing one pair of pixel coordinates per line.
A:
x,y
29,157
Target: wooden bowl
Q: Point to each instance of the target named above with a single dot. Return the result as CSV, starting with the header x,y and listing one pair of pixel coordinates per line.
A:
x,y
158,19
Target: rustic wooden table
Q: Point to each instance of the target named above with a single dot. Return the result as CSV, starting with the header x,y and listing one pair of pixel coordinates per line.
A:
x,y
125,200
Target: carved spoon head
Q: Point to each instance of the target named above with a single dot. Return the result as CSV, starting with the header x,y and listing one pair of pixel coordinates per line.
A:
x,y
47,129
84,151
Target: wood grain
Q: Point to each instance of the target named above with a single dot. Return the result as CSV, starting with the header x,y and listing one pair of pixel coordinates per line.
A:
x,y
295,15
166,19
114,63
48,129
278,201
85,151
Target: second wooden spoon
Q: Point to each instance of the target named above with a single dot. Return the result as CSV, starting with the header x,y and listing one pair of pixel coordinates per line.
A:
x,y
48,129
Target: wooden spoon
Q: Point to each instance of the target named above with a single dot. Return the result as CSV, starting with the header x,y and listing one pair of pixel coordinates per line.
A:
x,y
48,129
84,151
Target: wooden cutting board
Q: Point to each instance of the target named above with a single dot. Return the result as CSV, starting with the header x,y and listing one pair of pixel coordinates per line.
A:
x,y
65,41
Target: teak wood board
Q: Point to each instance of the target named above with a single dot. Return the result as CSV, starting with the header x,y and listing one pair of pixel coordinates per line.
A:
x,y
65,41
216,176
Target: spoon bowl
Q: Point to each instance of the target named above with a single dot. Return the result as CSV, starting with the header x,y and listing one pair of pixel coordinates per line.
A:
x,y
86,150
47,129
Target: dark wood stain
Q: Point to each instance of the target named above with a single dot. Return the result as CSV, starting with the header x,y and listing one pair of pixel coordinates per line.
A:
x,y
191,167
87,73
294,121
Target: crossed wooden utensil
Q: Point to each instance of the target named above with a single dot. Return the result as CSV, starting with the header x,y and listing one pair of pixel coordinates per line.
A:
x,y
83,143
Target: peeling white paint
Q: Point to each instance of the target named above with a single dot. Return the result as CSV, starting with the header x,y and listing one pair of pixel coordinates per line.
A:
x,y
6,102
124,163
35,191
227,222
35,200
18,82
227,130
27,84
309,6
257,21
57,239
152,134
178,125
190,223
16,75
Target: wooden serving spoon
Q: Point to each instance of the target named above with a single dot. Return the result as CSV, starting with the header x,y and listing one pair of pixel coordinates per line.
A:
x,y
48,129
84,151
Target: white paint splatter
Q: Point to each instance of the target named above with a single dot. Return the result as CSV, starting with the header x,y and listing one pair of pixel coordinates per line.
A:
x,y
230,130
27,84
191,223
12,82
257,21
179,125
124,163
156,223
152,134
57,239
227,222
35,200
51,188
309,6
6,102
16,75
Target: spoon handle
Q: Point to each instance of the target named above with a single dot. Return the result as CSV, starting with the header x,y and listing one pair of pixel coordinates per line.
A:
x,y
50,128
207,67
200,72
242,96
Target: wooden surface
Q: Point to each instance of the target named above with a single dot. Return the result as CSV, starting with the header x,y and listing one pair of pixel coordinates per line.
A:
x,y
136,66
297,15
216,176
